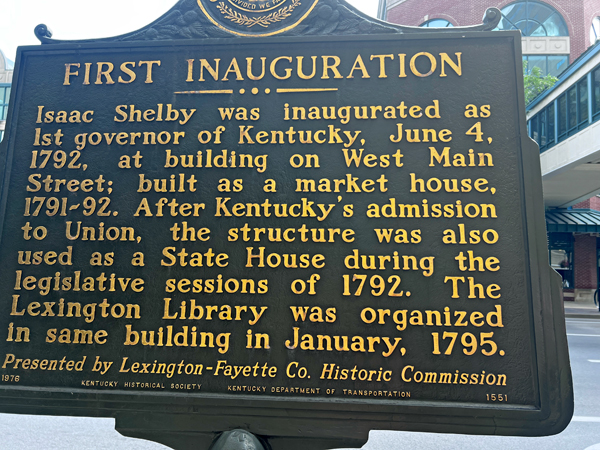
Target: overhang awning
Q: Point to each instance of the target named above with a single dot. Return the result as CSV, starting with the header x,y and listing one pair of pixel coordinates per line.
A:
x,y
573,220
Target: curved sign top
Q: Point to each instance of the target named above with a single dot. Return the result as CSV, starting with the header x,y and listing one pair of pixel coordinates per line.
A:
x,y
256,17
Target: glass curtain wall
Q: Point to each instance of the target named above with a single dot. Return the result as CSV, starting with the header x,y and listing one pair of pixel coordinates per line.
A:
x,y
537,19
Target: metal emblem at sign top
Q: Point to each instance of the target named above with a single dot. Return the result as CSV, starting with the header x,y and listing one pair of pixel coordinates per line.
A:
x,y
256,17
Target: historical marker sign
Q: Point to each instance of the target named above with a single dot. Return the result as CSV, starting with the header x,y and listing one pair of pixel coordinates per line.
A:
x,y
308,236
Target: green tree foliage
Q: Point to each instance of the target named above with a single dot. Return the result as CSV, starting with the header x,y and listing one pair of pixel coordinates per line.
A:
x,y
535,83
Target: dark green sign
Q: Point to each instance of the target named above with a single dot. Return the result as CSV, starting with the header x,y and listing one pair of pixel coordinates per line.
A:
x,y
308,236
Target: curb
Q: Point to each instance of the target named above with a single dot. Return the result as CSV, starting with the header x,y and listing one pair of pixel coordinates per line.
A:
x,y
582,316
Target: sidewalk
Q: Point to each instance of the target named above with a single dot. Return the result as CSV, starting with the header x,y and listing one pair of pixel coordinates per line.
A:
x,y
581,310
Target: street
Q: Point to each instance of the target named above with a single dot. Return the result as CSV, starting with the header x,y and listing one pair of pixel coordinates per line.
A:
x,y
54,433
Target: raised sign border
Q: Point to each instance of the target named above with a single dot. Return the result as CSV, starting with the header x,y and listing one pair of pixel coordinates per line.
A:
x,y
318,424
185,20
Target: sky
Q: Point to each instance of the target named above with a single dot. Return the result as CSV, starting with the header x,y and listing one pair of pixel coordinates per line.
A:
x,y
86,19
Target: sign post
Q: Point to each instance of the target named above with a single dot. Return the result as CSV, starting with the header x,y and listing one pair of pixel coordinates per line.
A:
x,y
280,217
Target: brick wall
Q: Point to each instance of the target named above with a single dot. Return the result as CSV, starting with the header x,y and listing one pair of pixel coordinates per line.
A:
x,y
583,205
415,12
585,263
590,203
578,15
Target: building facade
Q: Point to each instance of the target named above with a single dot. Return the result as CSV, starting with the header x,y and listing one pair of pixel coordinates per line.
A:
x,y
555,32
561,38
6,75
565,122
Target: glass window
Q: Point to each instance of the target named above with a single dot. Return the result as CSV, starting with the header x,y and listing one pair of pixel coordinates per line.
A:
x,y
595,30
437,23
543,130
535,128
596,93
582,100
560,248
533,18
4,97
537,61
537,19
562,117
557,64
561,261
548,64
550,124
572,108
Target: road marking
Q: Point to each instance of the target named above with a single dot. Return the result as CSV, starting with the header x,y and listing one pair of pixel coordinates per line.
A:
x,y
586,419
594,360
586,335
